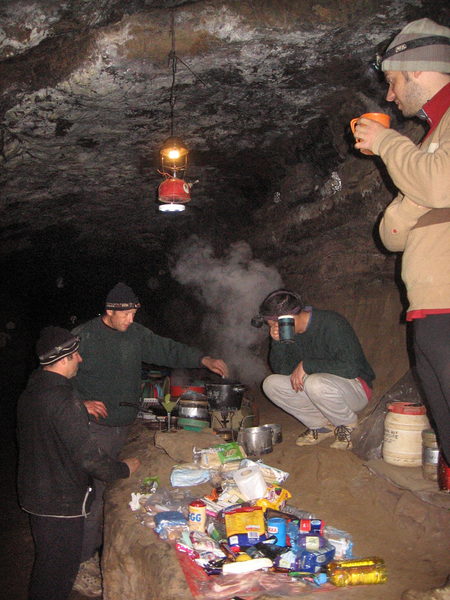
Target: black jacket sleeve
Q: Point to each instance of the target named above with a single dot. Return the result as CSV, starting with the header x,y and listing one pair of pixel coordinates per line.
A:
x,y
70,420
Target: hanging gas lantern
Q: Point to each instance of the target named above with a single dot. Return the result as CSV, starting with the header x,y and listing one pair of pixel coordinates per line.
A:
x,y
174,193
174,156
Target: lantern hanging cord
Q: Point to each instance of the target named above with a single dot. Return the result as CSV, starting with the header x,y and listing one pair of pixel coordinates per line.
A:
x,y
173,60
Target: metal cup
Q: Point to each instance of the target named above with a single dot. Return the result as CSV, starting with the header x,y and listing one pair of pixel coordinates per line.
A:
x,y
286,327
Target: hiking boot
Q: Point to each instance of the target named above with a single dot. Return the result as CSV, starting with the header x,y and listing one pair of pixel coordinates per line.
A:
x,y
310,437
440,593
89,579
343,435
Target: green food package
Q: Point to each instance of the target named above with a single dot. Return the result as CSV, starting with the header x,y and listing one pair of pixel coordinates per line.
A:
x,y
229,452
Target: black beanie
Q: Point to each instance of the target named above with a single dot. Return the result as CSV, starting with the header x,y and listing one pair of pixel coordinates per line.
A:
x,y
121,297
55,343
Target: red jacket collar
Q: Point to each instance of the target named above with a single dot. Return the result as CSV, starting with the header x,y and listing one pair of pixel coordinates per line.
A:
x,y
435,108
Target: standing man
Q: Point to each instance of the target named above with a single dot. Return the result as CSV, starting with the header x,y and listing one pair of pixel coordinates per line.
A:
x,y
57,458
417,222
113,349
322,378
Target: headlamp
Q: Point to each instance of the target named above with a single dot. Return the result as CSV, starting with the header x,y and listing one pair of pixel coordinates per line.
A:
x,y
257,321
430,40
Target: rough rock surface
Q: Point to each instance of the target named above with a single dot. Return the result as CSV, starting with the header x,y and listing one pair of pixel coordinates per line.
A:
x,y
264,104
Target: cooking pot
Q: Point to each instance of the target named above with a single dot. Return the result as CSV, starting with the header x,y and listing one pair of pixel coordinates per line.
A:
x,y
179,389
224,396
277,436
193,409
256,440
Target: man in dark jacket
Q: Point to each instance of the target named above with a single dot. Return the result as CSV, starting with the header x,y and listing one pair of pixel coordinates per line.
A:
x,y
113,348
322,376
57,460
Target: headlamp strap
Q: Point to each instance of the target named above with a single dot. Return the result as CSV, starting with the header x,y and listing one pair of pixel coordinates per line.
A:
x,y
430,40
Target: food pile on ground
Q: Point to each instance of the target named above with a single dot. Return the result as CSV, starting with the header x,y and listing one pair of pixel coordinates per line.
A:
x,y
244,537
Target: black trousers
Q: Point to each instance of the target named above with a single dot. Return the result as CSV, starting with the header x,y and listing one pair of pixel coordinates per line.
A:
x,y
111,439
57,551
432,351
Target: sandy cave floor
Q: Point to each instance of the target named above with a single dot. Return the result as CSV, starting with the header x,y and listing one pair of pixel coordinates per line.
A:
x,y
412,536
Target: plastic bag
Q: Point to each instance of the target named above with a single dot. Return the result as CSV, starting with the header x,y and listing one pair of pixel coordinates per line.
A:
x,y
186,475
270,474
341,540
367,439
163,500
224,587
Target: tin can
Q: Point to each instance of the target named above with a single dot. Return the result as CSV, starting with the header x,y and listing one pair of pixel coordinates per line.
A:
x,y
430,455
277,526
311,526
197,515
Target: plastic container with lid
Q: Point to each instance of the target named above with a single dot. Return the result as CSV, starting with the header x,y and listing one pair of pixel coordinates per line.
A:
x,y
403,426
197,515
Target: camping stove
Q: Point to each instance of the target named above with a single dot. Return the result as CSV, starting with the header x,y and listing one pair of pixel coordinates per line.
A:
x,y
222,423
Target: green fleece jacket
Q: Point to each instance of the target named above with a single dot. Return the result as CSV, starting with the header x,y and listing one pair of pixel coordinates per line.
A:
x,y
417,222
329,345
112,362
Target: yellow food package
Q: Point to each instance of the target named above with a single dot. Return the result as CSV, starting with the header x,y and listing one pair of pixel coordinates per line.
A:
x,y
245,526
275,498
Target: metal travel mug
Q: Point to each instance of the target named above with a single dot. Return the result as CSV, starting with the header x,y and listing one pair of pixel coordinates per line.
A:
x,y
286,327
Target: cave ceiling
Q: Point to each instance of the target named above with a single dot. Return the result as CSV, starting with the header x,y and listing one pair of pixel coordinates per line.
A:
x,y
263,92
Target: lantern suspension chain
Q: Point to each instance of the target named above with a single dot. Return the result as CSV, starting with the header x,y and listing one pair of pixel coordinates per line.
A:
x,y
173,60
173,63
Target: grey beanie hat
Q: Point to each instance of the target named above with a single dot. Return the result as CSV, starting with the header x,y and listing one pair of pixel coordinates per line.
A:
x,y
421,45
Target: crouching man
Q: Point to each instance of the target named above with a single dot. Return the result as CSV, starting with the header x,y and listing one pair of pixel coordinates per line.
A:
x,y
322,377
57,459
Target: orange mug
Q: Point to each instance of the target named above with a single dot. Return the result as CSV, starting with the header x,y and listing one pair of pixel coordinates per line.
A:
x,y
381,118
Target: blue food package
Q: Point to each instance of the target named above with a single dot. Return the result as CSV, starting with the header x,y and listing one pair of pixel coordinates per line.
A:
x,y
168,519
310,542
245,540
305,560
286,560
313,561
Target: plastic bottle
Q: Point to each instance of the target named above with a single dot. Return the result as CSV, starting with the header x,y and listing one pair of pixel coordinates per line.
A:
x,y
361,571
296,512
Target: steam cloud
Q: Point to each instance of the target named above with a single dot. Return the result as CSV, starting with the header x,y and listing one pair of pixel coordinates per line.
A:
x,y
232,287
